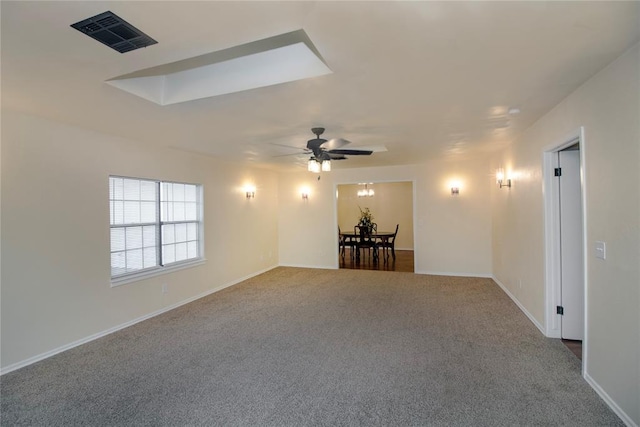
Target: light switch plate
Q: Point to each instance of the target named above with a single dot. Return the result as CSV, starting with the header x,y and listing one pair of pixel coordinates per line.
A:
x,y
601,250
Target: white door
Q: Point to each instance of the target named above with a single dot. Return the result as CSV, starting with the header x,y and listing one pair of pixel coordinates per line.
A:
x,y
571,252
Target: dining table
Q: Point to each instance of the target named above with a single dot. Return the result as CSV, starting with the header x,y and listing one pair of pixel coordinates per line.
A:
x,y
377,236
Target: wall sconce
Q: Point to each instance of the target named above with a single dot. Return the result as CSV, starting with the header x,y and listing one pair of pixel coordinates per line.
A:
x,y
250,192
500,179
304,192
455,186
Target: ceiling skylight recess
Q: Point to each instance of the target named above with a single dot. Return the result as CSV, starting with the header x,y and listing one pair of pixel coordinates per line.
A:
x,y
279,59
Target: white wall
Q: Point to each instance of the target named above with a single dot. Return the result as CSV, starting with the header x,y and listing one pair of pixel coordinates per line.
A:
x,y
452,235
307,228
55,232
391,205
454,231
608,107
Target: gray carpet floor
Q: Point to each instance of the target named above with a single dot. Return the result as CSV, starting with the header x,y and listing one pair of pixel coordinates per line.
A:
x,y
297,347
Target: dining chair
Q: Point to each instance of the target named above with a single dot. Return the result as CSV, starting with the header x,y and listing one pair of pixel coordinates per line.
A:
x,y
343,242
365,241
390,243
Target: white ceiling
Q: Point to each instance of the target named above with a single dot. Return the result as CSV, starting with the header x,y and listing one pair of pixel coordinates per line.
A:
x,y
425,79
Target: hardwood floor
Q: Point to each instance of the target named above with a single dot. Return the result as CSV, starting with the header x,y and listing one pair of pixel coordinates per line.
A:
x,y
575,347
403,262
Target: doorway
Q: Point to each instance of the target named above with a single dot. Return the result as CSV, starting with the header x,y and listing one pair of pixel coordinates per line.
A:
x,y
565,248
391,204
571,247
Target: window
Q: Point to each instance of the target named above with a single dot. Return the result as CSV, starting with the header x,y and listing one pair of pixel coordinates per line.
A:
x,y
155,226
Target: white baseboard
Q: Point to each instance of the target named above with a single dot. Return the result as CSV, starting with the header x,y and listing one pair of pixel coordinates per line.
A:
x,y
520,306
446,273
45,355
323,267
609,401
603,394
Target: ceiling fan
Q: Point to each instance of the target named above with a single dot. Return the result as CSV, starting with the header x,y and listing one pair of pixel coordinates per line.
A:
x,y
322,151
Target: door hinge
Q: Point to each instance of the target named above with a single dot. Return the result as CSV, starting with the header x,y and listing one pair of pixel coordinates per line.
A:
x,y
557,172
560,310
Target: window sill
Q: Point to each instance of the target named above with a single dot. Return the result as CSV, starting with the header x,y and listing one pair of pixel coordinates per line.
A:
x,y
135,277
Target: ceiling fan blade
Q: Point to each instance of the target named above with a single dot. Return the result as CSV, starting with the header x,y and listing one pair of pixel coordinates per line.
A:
x,y
302,153
351,152
335,143
374,148
288,146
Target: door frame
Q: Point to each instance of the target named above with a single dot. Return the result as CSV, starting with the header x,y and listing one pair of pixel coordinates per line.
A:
x,y
552,237
336,184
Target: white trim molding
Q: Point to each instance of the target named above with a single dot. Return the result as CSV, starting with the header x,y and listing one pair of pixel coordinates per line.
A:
x,y
609,401
321,267
520,306
454,274
158,271
552,288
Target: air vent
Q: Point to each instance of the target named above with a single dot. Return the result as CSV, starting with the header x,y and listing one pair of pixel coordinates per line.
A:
x,y
113,31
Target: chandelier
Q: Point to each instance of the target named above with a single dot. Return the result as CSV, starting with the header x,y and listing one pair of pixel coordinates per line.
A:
x,y
366,191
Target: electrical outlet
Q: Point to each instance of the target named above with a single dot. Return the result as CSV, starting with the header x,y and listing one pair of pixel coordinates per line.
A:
x,y
165,288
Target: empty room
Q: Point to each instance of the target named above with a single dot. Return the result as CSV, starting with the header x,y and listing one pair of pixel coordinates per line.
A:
x,y
320,213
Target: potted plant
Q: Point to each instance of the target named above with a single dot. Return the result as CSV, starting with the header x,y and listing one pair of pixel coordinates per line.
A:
x,y
366,219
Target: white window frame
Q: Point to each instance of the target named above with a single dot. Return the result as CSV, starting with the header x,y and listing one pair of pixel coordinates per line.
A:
x,y
160,267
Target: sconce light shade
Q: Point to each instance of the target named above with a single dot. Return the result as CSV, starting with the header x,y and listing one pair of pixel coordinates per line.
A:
x,y
455,186
500,179
304,192
250,191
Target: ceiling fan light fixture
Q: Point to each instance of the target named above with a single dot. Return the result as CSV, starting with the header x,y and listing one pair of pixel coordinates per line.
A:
x,y
326,166
313,165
